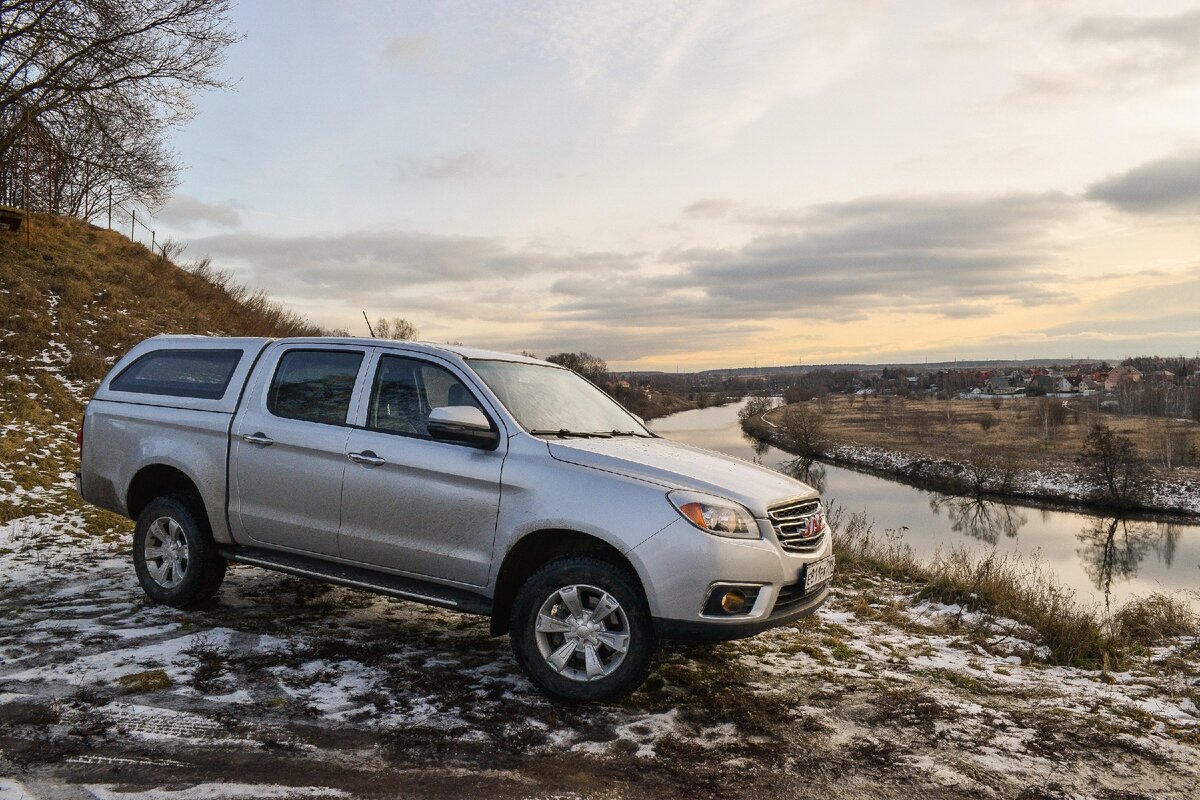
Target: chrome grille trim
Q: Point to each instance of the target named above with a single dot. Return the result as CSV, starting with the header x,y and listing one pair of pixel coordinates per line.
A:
x,y
789,520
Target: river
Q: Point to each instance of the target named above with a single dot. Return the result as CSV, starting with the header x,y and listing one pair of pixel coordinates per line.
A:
x,y
1101,558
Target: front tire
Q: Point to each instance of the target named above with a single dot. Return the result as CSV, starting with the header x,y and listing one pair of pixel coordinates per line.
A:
x,y
174,554
581,630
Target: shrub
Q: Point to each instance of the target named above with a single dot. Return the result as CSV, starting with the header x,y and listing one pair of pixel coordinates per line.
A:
x,y
1150,620
85,364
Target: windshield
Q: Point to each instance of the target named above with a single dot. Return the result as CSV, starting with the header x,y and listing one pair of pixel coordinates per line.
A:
x,y
549,400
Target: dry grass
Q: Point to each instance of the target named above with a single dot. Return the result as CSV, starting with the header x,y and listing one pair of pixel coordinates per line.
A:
x,y
112,293
1018,589
1148,620
1007,432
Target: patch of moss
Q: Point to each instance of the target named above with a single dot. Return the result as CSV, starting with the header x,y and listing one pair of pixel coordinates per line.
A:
x,y
152,680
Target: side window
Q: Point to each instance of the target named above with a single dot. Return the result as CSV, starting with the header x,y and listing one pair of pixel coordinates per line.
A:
x,y
314,385
180,373
405,391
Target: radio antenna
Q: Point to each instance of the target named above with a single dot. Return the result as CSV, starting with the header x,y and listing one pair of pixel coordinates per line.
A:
x,y
369,328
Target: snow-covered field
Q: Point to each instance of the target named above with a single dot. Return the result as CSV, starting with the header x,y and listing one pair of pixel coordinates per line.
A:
x,y
288,688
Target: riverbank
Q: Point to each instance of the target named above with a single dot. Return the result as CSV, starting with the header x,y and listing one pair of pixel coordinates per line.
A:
x,y
969,447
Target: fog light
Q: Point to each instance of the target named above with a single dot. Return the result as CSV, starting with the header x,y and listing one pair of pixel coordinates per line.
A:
x,y
730,600
733,601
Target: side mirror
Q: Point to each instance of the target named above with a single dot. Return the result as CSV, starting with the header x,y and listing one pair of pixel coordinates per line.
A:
x,y
462,425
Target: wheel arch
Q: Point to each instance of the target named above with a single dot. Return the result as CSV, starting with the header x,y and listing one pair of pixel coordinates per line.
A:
x,y
537,548
162,480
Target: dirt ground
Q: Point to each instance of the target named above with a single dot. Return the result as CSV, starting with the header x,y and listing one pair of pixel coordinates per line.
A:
x,y
286,688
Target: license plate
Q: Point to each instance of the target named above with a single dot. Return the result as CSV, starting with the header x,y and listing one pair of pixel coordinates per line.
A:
x,y
817,572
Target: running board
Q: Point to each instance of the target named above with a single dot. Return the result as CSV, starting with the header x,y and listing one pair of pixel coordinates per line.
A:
x,y
367,580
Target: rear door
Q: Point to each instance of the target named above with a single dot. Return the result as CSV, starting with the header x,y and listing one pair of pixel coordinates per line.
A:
x,y
288,452
410,503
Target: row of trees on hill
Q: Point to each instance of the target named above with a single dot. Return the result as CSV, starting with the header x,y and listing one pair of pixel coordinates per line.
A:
x,y
89,90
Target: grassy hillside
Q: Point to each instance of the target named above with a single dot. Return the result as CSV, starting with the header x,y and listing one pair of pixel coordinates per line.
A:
x,y
70,305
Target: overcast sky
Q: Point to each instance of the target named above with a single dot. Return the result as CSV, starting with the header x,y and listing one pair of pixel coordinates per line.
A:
x,y
705,184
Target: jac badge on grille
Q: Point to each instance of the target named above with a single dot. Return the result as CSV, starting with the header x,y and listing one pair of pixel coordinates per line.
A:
x,y
812,526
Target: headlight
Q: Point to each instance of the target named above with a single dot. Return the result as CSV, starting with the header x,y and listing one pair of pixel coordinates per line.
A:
x,y
714,515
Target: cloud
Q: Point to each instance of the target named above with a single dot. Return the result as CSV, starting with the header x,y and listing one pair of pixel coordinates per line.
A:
x,y
953,256
935,256
701,71
1177,33
366,263
1122,54
469,164
622,343
1168,185
709,208
185,211
409,48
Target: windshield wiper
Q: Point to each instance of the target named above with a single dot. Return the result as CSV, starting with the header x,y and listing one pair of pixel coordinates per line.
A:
x,y
628,433
564,433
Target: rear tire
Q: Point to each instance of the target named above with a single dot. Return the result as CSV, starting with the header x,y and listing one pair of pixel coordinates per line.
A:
x,y
565,642
174,554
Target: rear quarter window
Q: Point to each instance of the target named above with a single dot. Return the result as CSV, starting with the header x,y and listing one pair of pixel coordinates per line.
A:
x,y
202,374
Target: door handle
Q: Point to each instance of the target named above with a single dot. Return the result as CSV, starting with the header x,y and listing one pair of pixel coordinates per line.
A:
x,y
367,458
258,438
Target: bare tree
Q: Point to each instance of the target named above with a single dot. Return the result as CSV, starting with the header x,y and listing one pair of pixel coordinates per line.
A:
x,y
802,432
396,328
755,407
594,368
1049,414
990,474
89,89
1111,461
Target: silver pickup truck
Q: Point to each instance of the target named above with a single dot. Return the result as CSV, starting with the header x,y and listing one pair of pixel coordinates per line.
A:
x,y
482,482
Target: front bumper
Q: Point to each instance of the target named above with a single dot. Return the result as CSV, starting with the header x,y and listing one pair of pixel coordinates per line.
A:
x,y
706,630
680,564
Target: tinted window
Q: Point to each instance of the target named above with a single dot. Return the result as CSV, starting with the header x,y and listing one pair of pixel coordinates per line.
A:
x,y
405,391
180,373
314,385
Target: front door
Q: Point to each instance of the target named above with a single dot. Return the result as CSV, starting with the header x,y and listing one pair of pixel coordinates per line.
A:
x,y
288,453
410,503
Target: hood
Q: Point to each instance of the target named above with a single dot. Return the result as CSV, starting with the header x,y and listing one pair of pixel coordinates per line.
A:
x,y
680,466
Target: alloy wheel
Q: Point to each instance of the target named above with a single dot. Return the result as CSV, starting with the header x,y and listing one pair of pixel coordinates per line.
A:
x,y
582,632
166,552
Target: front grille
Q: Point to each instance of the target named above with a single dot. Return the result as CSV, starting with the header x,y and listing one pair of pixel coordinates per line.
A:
x,y
799,526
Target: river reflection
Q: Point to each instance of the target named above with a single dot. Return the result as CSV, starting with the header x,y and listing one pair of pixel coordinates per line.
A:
x,y
1112,549
979,518
1101,558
